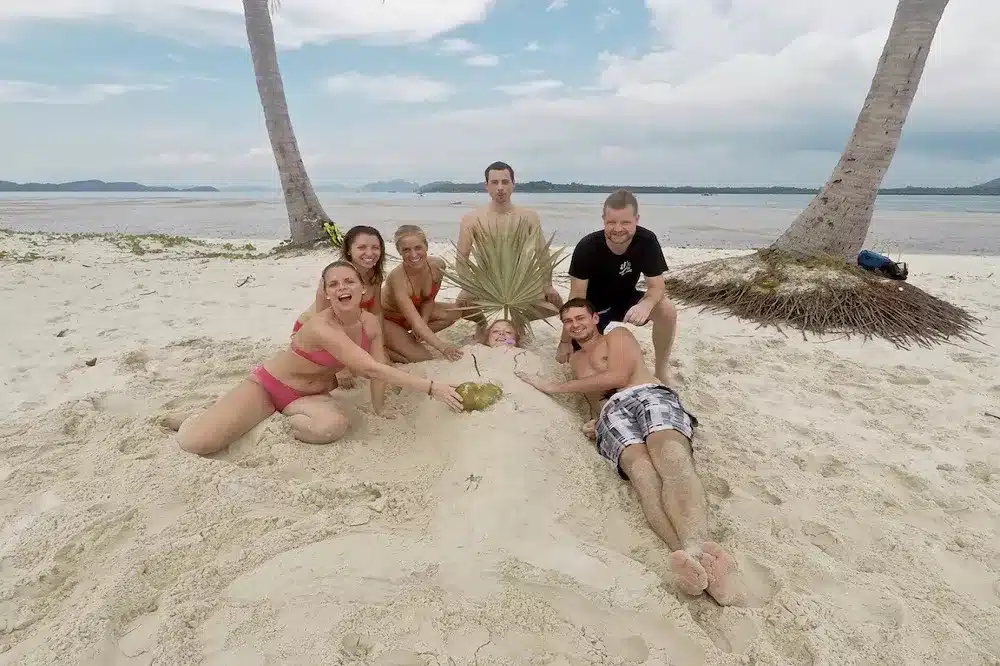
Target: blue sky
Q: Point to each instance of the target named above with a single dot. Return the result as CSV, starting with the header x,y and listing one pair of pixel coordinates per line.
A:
x,y
720,92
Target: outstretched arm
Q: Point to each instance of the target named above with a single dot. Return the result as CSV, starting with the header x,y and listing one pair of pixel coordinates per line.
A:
x,y
378,353
623,354
340,345
413,316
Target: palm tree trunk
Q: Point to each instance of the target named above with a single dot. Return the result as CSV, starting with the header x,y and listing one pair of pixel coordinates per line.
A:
x,y
837,220
305,213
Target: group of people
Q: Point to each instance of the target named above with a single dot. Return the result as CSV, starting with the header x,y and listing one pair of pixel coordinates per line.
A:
x,y
363,321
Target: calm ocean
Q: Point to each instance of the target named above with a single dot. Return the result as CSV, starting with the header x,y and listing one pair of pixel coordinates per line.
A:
x,y
921,224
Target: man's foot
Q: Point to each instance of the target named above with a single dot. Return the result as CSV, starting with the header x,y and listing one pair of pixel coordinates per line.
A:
x,y
724,583
692,579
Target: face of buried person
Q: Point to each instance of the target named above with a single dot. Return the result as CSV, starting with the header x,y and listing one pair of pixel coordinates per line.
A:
x,y
501,333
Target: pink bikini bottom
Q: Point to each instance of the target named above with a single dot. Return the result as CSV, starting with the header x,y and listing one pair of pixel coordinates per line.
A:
x,y
281,394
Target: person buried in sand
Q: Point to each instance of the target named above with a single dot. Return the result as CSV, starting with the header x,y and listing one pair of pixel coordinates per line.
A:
x,y
363,246
605,269
409,302
644,431
297,380
500,212
502,333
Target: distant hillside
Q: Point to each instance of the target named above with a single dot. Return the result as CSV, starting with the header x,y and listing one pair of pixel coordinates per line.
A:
x,y
992,188
396,185
96,186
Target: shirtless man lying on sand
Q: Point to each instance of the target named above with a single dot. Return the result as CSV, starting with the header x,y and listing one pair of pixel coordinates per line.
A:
x,y
645,432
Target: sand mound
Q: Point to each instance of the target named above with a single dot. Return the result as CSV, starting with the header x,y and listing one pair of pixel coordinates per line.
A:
x,y
857,486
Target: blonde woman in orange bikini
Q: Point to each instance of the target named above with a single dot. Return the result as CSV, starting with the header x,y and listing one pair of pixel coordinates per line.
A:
x,y
297,381
409,302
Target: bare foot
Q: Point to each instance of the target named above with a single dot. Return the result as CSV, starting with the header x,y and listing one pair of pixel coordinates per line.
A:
x,y
724,584
691,576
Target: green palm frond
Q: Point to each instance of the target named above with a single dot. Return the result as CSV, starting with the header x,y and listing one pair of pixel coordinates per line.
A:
x,y
507,272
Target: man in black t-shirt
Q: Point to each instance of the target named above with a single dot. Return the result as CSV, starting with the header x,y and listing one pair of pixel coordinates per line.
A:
x,y
605,269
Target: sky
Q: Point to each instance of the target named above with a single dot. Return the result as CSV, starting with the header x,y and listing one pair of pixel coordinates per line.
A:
x,y
703,92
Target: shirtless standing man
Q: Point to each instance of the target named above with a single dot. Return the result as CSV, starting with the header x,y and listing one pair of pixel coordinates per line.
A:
x,y
605,269
500,212
645,433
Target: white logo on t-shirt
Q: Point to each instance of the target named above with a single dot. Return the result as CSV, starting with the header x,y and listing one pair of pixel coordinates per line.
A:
x,y
625,268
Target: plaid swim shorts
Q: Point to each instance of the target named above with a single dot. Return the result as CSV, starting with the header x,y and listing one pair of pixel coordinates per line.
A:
x,y
630,415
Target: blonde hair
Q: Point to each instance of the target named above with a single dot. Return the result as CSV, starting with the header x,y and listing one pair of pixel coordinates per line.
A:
x,y
405,230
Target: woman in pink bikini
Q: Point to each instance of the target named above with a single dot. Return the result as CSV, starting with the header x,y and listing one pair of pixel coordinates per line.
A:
x,y
298,380
363,246
409,302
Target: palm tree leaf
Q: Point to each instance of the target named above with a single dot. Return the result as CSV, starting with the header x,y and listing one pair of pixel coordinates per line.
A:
x,y
506,272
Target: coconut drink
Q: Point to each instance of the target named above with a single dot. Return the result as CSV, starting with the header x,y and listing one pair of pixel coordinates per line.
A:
x,y
477,397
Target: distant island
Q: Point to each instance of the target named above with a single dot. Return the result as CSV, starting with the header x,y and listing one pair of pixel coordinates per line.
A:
x,y
97,186
992,188
395,186
392,186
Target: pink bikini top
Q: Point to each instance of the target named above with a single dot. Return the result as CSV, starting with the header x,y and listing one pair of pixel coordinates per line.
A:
x,y
325,358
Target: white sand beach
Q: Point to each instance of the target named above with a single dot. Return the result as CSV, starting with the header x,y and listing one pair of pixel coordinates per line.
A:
x,y
857,485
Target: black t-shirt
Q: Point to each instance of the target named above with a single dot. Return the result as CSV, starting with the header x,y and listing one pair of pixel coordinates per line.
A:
x,y
611,277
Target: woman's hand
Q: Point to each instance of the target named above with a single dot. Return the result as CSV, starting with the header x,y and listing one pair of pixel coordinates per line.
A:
x,y
451,352
446,394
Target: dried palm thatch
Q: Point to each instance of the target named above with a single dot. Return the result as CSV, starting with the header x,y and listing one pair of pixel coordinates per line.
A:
x,y
822,295
506,273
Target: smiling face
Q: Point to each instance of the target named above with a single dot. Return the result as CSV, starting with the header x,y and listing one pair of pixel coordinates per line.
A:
x,y
501,334
579,323
620,224
413,250
343,287
365,251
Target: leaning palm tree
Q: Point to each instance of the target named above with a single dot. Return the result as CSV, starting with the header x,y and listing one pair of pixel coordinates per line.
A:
x,y
506,273
804,278
307,221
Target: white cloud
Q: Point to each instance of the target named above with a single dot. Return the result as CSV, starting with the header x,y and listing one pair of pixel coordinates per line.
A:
x,y
532,47
296,24
749,91
483,60
556,4
531,87
29,92
390,88
458,46
765,91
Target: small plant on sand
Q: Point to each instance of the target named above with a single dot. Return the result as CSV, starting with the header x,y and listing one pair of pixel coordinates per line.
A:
x,y
807,278
506,273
